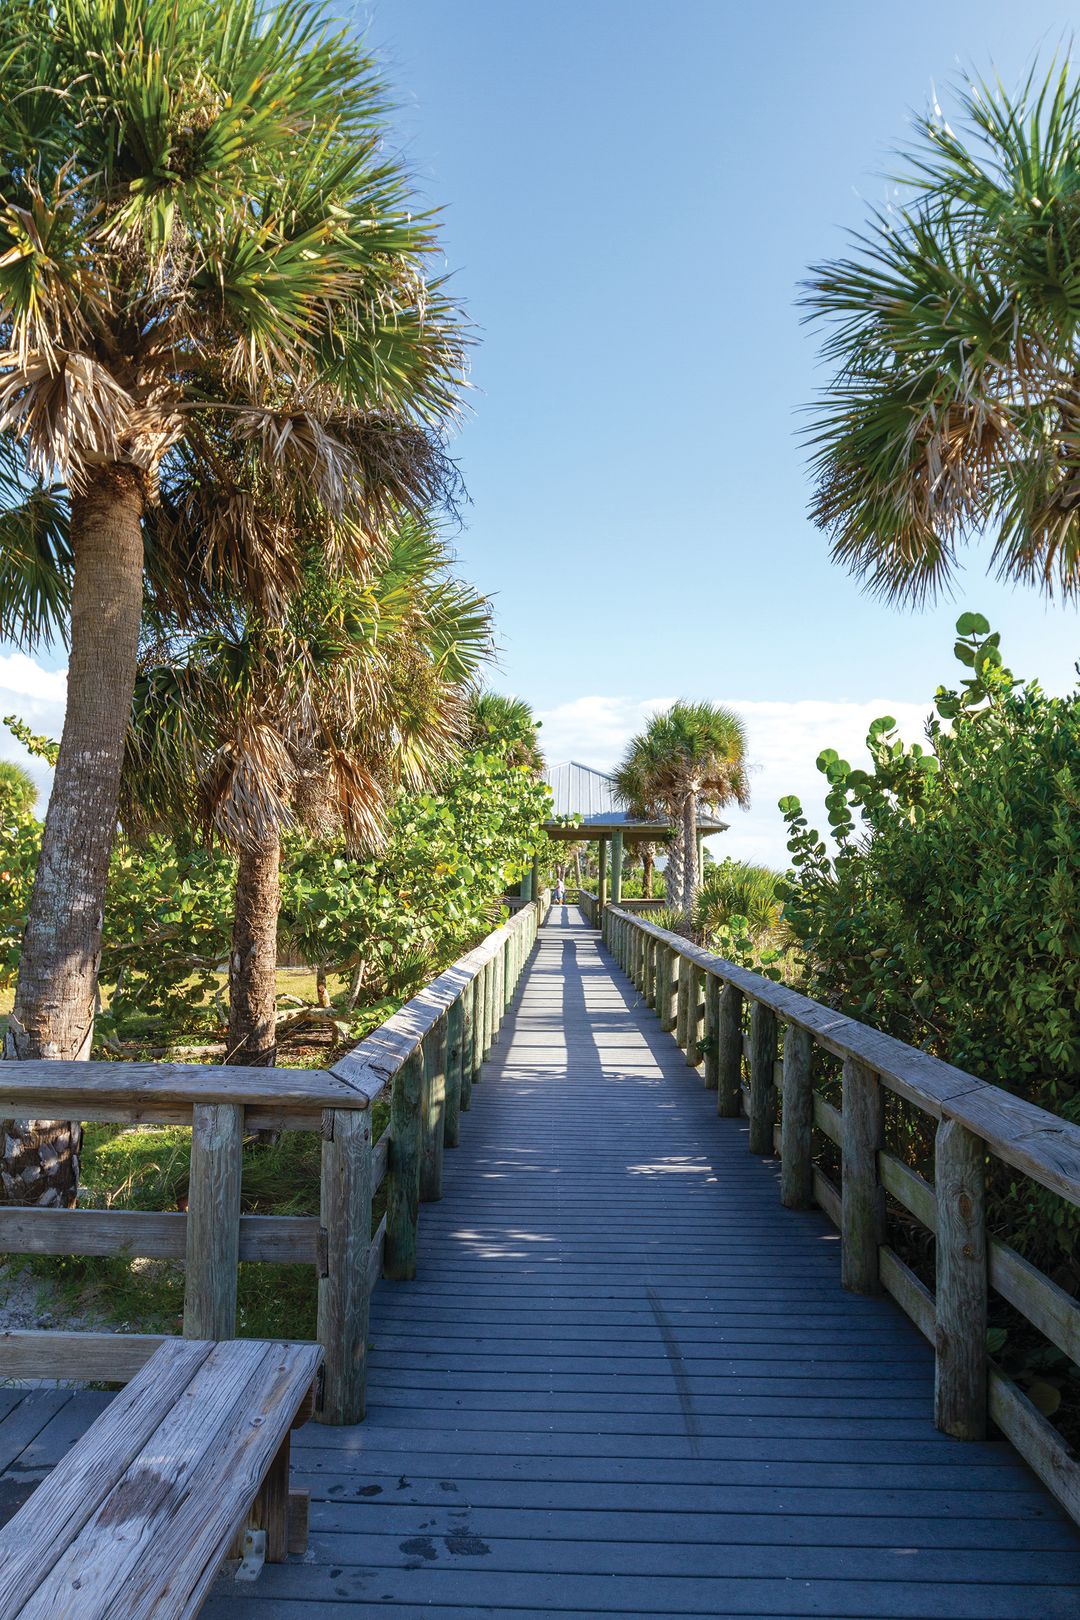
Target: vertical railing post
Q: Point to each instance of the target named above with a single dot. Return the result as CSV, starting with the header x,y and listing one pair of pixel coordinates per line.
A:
x,y
650,969
695,1011
403,1170
433,1113
960,1368
213,1221
484,1029
712,1032
797,1121
452,1120
468,1042
670,993
862,1224
345,1215
682,1008
729,1051
498,964
762,1081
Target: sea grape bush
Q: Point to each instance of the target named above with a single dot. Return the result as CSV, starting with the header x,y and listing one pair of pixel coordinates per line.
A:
x,y
950,912
397,916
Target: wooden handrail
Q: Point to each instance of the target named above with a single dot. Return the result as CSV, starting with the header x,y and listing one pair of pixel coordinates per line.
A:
x,y
428,1055
691,988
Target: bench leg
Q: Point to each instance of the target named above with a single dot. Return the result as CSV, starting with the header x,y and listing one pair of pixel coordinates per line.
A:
x,y
270,1510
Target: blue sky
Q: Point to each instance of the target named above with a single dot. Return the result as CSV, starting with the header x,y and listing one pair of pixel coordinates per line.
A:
x,y
632,193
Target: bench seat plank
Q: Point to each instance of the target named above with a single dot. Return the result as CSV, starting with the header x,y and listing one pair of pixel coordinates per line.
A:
x,y
138,1517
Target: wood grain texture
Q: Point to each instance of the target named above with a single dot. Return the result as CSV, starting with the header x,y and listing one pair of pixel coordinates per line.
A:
x,y
762,1080
284,1239
729,1053
454,1048
676,1411
433,1113
403,1189
136,1518
1029,1138
212,1246
863,1222
797,1121
961,1282
345,1212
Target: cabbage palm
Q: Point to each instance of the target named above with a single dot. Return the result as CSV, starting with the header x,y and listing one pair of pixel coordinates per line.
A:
x,y
206,261
510,719
953,328
693,753
633,789
312,724
740,889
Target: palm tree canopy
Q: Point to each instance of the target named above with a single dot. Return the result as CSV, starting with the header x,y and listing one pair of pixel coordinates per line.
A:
x,y
696,749
953,331
510,720
18,790
314,721
739,889
206,259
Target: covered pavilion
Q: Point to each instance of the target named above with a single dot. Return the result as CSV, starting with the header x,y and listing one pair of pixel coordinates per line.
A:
x,y
587,809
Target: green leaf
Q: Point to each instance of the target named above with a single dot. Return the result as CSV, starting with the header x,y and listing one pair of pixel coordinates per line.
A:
x,y
972,624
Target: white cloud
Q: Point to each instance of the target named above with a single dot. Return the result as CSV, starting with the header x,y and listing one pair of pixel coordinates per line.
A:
x,y
785,740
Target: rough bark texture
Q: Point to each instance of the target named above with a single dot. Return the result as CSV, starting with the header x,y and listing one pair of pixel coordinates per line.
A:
x,y
53,1016
673,873
648,859
253,960
689,855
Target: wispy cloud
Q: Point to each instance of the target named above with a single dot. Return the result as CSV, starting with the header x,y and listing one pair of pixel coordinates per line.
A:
x,y
785,740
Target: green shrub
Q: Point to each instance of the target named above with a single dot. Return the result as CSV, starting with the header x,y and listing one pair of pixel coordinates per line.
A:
x,y
950,913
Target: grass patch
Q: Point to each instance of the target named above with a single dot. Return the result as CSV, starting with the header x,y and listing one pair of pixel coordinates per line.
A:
x,y
147,1167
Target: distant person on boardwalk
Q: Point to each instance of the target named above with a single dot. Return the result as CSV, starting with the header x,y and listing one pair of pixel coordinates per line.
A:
x,y
560,892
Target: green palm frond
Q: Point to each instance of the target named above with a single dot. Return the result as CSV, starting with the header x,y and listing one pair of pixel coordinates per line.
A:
x,y
952,329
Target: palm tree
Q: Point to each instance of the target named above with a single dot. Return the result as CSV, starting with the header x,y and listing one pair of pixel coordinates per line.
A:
x,y
953,328
509,720
694,753
632,788
741,889
205,258
18,791
312,723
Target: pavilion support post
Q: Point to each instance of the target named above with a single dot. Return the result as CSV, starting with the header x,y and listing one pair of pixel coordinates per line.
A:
x,y
616,867
535,875
527,885
601,881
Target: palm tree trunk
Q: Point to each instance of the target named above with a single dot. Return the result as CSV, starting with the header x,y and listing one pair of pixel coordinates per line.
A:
x,y
647,859
689,842
253,961
673,872
53,1016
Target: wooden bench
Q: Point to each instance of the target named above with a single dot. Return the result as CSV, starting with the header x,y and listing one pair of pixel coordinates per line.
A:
x,y
186,1464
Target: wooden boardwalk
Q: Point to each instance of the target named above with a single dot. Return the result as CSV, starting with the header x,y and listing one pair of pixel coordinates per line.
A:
x,y
628,1382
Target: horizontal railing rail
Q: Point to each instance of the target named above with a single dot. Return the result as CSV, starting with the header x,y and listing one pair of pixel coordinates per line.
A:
x,y
725,1017
427,1055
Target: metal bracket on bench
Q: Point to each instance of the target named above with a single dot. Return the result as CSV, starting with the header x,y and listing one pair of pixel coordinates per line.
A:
x,y
254,1555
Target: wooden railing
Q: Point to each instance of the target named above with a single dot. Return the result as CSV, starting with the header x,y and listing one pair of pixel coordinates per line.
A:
x,y
725,1017
590,905
428,1056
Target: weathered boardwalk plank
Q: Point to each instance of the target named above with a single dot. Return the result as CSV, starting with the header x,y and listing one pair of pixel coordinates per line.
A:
x,y
627,1381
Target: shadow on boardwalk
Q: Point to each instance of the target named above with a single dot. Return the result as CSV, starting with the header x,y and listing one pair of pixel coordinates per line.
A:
x,y
628,1382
